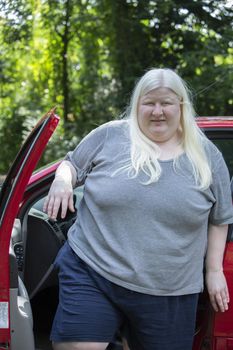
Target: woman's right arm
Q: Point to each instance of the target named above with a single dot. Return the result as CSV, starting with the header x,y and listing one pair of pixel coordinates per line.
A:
x,y
61,191
83,156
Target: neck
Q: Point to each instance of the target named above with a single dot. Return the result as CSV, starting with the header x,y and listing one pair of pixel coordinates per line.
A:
x,y
170,149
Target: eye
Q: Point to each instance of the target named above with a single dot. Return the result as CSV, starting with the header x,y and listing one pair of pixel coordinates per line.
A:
x,y
166,103
148,103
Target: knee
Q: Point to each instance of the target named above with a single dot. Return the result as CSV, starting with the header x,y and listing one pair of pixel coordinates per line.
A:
x,y
79,346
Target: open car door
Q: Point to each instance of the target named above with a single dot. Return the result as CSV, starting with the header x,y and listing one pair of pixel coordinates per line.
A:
x,y
16,328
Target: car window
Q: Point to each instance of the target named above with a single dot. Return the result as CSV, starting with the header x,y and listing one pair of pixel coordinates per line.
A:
x,y
78,191
226,147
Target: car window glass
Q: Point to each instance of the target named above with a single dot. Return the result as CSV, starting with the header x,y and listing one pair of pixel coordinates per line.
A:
x,y
78,191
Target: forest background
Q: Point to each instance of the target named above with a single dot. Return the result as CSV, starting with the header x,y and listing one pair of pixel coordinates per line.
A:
x,y
84,56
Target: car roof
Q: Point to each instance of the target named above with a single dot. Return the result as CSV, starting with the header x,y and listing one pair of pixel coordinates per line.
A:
x,y
215,122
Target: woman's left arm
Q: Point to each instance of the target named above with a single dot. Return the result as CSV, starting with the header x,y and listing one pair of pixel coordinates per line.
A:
x,y
215,279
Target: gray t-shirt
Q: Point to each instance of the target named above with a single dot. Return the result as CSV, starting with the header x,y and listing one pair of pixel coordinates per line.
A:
x,y
147,238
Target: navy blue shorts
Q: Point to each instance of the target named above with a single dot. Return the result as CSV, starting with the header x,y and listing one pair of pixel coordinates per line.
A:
x,y
93,309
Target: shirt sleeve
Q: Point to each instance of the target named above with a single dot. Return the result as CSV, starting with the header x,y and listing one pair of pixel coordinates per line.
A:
x,y
222,210
84,155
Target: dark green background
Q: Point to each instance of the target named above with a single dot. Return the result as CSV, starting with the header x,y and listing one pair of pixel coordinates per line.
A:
x,y
85,57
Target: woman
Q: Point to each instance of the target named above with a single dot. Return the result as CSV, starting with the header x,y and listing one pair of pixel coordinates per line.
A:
x,y
154,190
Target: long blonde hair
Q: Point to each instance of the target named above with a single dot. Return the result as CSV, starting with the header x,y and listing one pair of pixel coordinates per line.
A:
x,y
144,152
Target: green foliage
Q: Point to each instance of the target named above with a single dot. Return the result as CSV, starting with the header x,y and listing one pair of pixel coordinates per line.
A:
x,y
85,55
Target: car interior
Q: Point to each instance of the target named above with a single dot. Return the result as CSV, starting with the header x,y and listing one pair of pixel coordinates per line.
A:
x,y
35,242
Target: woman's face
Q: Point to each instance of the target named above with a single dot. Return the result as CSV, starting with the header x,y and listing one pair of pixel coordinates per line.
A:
x,y
159,114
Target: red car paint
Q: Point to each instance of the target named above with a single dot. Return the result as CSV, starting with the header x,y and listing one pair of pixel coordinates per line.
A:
x,y
214,330
9,212
215,122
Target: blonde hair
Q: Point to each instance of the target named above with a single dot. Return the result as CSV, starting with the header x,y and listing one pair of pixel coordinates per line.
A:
x,y
144,152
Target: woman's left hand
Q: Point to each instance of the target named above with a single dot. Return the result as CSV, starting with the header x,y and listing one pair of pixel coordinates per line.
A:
x,y
218,290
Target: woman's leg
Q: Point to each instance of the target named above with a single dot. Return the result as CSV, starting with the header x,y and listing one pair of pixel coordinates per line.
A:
x,y
125,344
85,318
160,323
79,346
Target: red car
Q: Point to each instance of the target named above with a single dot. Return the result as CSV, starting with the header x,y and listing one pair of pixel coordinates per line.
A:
x,y
29,242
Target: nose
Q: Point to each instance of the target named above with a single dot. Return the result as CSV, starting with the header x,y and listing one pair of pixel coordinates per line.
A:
x,y
157,109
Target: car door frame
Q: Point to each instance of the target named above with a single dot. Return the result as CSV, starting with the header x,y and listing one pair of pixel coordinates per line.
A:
x,y
10,198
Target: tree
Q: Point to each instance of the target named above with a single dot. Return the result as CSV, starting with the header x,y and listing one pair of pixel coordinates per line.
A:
x,y
85,56
193,37
14,38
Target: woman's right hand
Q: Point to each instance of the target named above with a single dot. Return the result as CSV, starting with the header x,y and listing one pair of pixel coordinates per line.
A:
x,y
60,194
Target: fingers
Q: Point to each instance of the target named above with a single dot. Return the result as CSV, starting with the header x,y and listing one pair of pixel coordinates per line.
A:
x,y
45,205
214,304
224,300
48,205
52,204
67,202
64,207
71,204
220,300
218,290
